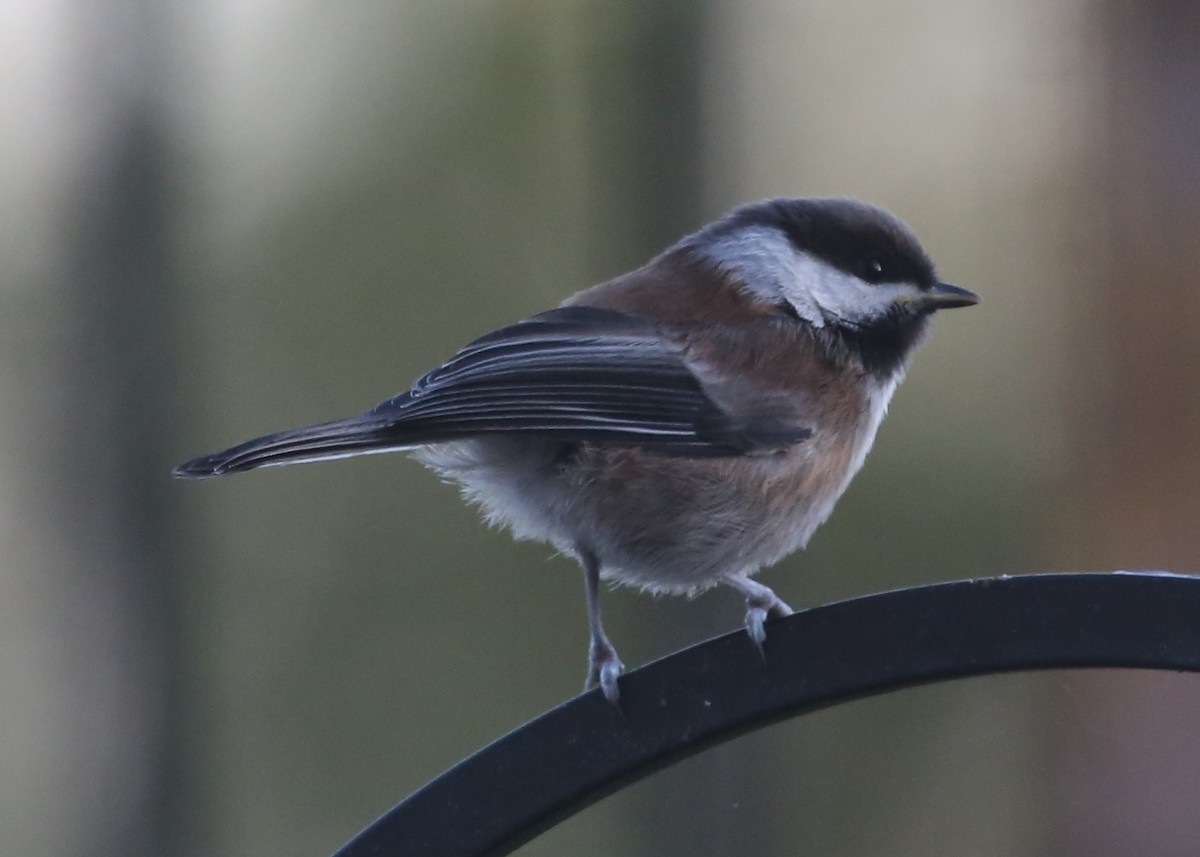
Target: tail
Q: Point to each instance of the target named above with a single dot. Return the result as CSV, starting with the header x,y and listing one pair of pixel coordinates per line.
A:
x,y
337,439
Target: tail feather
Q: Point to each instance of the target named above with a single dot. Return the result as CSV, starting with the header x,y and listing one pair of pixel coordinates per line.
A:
x,y
336,439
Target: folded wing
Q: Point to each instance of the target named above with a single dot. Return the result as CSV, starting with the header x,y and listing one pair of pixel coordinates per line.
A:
x,y
573,374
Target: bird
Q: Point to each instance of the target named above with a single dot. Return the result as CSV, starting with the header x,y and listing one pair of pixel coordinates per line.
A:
x,y
678,427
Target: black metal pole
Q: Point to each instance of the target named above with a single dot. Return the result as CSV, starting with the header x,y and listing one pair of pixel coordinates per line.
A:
x,y
570,757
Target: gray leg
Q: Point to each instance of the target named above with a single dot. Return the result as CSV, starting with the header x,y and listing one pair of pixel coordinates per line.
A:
x,y
760,601
603,664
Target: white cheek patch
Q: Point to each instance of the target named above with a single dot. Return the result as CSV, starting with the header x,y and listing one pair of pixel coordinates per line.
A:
x,y
765,260
842,297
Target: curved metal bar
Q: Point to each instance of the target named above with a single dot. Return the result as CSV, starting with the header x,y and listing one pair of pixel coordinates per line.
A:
x,y
571,756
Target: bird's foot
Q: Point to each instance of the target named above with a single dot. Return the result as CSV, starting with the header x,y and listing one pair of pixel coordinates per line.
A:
x,y
604,667
756,619
761,602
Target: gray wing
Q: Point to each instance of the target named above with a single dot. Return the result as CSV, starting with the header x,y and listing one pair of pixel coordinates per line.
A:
x,y
580,374
573,374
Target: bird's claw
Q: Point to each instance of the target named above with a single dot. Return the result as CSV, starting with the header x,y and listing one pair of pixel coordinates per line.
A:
x,y
604,668
761,602
756,617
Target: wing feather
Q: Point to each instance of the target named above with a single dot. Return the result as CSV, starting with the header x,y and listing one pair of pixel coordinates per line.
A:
x,y
577,373
574,374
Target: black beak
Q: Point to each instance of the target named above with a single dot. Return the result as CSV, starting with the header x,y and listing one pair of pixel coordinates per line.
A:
x,y
946,296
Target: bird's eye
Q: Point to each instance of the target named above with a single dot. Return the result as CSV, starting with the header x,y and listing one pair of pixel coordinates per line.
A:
x,y
873,271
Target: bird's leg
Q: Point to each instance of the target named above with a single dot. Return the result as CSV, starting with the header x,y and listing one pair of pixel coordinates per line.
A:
x,y
603,664
760,602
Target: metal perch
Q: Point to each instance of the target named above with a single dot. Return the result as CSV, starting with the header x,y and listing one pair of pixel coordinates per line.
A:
x,y
570,757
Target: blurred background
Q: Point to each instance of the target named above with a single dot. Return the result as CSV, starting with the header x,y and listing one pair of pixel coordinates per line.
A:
x,y
227,217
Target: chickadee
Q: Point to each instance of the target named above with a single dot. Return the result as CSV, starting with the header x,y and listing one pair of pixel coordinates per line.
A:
x,y
680,426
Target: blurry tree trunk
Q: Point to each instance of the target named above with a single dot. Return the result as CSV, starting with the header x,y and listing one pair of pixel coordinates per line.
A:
x,y
112,484
1130,762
